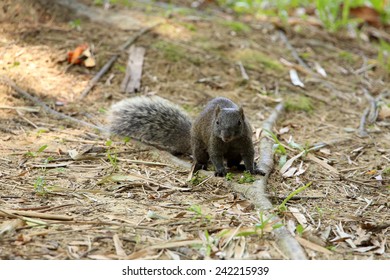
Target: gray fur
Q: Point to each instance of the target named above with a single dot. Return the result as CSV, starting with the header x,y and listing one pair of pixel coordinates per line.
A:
x,y
222,132
152,120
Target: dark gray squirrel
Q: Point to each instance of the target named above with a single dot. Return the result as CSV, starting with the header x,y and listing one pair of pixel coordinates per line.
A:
x,y
220,132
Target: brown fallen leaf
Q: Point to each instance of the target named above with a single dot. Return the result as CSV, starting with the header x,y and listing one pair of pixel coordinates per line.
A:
x,y
75,56
82,54
367,14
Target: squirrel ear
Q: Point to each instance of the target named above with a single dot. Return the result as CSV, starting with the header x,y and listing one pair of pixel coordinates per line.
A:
x,y
242,113
217,110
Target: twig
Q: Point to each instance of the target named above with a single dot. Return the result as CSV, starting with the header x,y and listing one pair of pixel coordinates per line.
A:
x,y
293,51
243,72
373,113
320,145
108,65
362,132
34,99
27,109
142,162
370,114
32,214
57,207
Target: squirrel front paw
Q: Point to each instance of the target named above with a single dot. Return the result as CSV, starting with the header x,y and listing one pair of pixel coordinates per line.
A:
x,y
220,173
258,172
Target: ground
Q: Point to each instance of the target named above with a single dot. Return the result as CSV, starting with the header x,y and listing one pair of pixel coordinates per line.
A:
x,y
118,199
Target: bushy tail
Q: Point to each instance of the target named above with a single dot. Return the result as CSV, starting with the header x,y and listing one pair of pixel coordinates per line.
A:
x,y
152,120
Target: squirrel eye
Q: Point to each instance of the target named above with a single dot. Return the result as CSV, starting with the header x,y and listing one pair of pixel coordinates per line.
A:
x,y
239,122
217,122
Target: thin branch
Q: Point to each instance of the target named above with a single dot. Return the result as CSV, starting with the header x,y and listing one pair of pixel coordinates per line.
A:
x,y
32,214
362,132
294,53
244,75
46,108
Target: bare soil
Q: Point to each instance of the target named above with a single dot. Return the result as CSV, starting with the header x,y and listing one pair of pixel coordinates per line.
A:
x,y
121,200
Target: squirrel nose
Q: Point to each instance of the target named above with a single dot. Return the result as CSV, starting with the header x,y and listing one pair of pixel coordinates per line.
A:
x,y
226,139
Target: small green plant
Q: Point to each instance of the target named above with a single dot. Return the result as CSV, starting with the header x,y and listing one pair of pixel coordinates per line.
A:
x,y
386,171
39,186
320,211
48,159
347,56
208,244
102,110
98,2
384,55
41,131
42,148
120,68
331,248
278,148
246,177
198,212
113,159
334,14
75,24
282,207
196,209
237,26
189,26
329,13
300,229
229,176
263,225
35,154
206,247
30,154
109,143
15,64
197,179
264,222
112,155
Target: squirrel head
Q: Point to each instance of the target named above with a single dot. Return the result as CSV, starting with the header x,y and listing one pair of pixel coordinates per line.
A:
x,y
228,123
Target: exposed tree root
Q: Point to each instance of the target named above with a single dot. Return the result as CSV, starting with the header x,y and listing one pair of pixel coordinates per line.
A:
x,y
256,192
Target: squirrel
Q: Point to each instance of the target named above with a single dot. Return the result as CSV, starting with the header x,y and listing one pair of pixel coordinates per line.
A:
x,y
220,132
